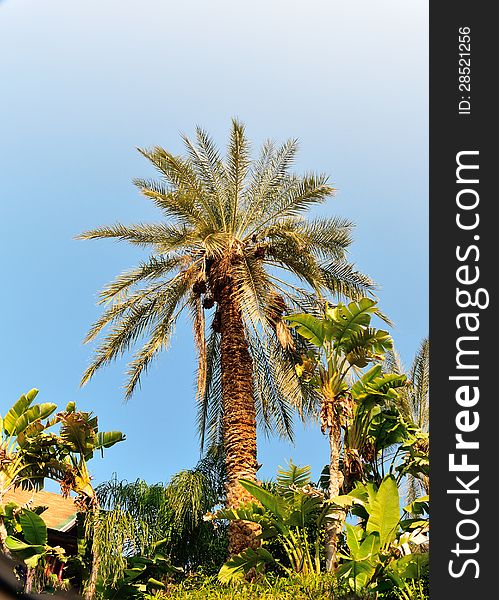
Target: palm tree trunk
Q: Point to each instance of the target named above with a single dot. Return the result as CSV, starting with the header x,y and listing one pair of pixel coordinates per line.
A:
x,y
239,417
334,525
3,536
3,532
91,586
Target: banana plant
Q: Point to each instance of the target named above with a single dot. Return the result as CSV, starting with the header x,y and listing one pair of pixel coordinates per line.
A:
x,y
289,516
32,450
380,547
343,343
375,426
79,438
28,451
28,542
36,444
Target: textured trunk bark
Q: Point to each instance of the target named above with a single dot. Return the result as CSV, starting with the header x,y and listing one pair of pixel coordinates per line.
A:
x,y
3,536
3,532
239,417
334,526
30,579
91,587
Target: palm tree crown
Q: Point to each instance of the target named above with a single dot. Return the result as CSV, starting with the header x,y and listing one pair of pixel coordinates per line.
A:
x,y
232,218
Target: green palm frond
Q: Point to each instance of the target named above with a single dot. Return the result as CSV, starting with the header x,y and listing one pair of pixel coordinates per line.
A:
x,y
210,407
180,205
154,268
328,237
413,400
289,256
274,383
238,165
167,236
210,170
420,378
141,298
341,279
296,196
269,173
187,201
154,314
253,289
158,340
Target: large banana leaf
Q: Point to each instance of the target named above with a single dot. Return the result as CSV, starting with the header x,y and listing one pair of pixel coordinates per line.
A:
x,y
369,547
106,439
353,538
255,513
245,512
411,566
361,549
18,546
419,506
272,502
384,511
78,430
352,318
33,527
29,553
237,566
24,402
376,383
366,343
358,573
316,331
32,415
387,428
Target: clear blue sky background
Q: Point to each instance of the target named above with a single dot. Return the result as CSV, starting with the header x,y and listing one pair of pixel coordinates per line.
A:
x,y
85,82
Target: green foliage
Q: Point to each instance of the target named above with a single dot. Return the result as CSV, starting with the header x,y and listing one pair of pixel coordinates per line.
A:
x,y
141,577
137,517
250,560
384,511
289,516
28,450
381,547
414,405
270,587
28,543
32,448
346,342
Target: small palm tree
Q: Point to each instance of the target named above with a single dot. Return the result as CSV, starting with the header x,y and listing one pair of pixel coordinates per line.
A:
x,y
234,232
414,405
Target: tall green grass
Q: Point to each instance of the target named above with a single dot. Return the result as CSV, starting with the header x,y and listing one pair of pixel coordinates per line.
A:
x,y
313,587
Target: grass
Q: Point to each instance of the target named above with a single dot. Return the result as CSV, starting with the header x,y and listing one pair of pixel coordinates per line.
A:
x,y
322,587
271,588
313,587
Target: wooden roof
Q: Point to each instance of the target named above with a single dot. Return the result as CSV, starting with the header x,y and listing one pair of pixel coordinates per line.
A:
x,y
60,513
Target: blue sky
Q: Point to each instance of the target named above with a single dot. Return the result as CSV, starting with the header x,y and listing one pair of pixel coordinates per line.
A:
x,y
84,83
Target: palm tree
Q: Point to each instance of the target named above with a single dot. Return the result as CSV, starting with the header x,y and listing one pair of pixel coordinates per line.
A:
x,y
414,405
234,232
